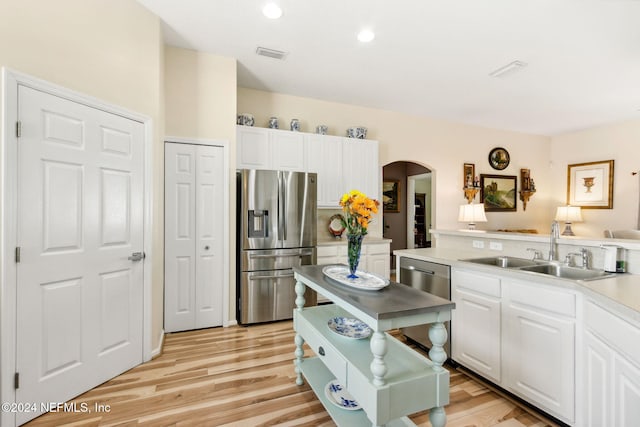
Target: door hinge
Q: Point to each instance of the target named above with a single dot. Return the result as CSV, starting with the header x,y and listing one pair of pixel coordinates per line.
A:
x,y
17,254
16,381
18,129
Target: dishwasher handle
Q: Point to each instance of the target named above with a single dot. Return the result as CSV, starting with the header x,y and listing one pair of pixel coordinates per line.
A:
x,y
413,268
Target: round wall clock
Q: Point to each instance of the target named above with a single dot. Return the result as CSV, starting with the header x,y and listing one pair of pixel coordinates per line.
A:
x,y
499,158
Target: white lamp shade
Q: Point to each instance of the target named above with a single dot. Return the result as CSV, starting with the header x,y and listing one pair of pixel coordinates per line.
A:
x,y
569,214
472,213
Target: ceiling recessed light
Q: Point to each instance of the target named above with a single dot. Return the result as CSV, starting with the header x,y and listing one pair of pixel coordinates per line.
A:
x,y
272,11
366,36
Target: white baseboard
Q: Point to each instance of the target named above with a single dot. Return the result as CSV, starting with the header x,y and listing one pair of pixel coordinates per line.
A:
x,y
158,350
228,323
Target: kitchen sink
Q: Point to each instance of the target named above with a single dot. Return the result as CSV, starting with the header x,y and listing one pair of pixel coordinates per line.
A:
x,y
504,261
566,272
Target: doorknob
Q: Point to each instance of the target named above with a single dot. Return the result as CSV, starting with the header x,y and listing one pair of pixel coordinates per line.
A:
x,y
136,256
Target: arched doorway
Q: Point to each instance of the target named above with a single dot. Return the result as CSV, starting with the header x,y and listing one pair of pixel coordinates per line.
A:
x,y
407,205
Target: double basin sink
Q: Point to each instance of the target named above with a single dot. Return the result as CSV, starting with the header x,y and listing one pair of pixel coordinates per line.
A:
x,y
542,267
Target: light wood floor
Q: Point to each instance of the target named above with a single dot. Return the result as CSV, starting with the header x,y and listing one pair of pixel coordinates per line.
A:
x,y
243,376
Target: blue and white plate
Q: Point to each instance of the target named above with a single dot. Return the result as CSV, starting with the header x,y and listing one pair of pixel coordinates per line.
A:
x,y
350,328
339,396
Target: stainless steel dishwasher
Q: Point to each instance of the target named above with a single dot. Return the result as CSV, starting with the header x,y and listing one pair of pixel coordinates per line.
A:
x,y
428,277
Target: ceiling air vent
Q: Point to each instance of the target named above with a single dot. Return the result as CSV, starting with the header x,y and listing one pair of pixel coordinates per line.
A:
x,y
271,53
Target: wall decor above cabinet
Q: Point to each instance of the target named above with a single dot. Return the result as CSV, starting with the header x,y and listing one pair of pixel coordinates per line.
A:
x,y
245,119
499,158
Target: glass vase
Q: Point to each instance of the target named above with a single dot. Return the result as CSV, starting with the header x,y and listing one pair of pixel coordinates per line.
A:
x,y
354,245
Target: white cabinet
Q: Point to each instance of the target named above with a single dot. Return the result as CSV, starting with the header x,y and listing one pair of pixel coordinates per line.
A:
x,y
476,323
194,244
611,369
539,346
342,164
260,148
360,166
374,257
324,157
520,335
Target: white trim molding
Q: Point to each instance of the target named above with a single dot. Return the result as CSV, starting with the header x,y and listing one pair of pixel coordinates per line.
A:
x,y
11,80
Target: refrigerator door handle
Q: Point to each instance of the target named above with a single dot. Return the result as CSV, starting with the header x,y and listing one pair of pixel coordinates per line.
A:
x,y
268,277
280,208
299,254
283,191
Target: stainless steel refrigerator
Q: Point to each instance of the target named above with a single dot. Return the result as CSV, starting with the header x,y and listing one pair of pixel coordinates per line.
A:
x,y
276,231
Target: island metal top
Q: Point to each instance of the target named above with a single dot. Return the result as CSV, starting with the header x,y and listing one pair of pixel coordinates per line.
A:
x,y
395,300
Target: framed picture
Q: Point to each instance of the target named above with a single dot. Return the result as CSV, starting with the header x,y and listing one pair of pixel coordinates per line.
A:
x,y
391,196
468,175
590,185
498,192
499,158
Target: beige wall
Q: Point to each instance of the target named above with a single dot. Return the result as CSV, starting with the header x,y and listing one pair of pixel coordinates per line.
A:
x,y
620,142
200,102
441,146
108,49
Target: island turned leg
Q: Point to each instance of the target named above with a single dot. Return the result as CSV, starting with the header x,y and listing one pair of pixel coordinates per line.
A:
x,y
300,288
438,337
378,347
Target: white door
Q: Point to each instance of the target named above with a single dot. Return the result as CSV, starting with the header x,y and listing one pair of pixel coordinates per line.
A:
x,y
194,177
80,217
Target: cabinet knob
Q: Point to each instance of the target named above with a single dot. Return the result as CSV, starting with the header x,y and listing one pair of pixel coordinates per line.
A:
x,y
321,351
206,248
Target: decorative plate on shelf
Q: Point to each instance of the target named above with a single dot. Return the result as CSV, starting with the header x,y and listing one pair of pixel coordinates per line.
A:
x,y
499,158
339,396
365,281
350,328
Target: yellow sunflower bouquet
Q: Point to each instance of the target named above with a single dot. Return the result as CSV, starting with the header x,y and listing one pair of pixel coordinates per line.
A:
x,y
359,210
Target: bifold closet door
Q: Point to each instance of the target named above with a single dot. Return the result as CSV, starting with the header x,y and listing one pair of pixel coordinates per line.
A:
x,y
194,177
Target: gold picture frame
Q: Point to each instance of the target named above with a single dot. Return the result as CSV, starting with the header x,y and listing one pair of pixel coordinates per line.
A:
x,y
590,185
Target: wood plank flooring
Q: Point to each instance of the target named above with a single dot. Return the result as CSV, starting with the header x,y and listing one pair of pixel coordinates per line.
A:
x,y
243,376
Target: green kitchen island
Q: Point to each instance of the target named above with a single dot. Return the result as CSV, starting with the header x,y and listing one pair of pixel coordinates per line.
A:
x,y
386,377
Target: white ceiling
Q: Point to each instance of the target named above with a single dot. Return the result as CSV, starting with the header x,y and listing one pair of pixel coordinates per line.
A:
x,y
433,57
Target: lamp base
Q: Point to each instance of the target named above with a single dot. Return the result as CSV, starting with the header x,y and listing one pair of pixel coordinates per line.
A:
x,y
567,230
472,226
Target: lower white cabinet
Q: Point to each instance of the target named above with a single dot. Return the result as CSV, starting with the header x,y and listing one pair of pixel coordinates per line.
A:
x,y
374,257
539,347
476,323
611,369
519,335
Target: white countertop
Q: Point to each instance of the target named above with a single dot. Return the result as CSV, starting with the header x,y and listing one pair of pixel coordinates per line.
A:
x,y
620,293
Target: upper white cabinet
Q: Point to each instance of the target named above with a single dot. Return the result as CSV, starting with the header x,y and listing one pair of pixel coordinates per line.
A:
x,y
260,148
342,164
324,157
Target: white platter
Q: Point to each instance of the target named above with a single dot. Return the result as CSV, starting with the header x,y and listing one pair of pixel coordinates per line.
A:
x,y
350,328
339,396
366,281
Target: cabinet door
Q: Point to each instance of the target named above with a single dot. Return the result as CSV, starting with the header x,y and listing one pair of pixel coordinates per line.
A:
x,y
626,392
253,150
476,334
598,367
378,260
360,166
287,151
539,358
324,157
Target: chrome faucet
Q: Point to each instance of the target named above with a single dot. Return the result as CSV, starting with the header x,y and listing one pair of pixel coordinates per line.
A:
x,y
555,234
584,254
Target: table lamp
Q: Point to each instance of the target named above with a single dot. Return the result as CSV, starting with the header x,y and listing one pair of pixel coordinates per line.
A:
x,y
472,213
568,214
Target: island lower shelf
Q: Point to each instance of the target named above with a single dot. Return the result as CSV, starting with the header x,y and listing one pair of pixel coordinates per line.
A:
x,y
412,382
